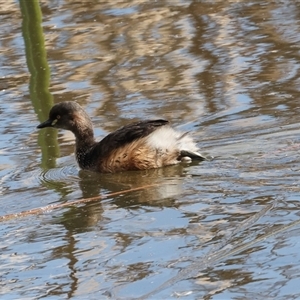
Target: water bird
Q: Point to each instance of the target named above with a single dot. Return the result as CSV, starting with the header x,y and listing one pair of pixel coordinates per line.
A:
x,y
139,145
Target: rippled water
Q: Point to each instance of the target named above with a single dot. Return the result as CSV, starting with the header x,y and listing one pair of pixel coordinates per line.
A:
x,y
221,229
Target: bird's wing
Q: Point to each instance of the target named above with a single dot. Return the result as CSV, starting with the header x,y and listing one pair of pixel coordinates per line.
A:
x,y
126,135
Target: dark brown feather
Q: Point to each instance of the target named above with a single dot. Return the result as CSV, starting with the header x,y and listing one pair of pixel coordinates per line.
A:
x,y
125,135
119,139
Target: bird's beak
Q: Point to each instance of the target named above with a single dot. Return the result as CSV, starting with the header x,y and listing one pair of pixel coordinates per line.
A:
x,y
48,123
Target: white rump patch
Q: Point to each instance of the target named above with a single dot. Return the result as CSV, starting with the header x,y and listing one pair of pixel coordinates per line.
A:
x,y
166,138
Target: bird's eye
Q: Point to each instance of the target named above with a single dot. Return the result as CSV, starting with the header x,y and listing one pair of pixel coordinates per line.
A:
x,y
58,117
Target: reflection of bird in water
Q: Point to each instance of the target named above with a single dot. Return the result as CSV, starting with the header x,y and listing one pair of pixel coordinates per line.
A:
x,y
138,146
160,186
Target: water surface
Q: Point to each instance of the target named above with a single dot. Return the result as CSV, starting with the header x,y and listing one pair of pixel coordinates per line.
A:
x,y
226,71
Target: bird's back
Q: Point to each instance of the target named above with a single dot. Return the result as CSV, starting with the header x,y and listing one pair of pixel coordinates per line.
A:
x,y
142,145
123,149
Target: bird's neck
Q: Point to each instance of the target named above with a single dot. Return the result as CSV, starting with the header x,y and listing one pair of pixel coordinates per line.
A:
x,y
83,148
83,131
84,138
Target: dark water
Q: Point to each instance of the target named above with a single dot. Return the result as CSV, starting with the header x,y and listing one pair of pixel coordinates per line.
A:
x,y
223,229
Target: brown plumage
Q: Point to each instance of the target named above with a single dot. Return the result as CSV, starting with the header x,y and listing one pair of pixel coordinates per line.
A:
x,y
137,146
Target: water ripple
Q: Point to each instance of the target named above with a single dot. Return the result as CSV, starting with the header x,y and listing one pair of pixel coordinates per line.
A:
x,y
65,173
